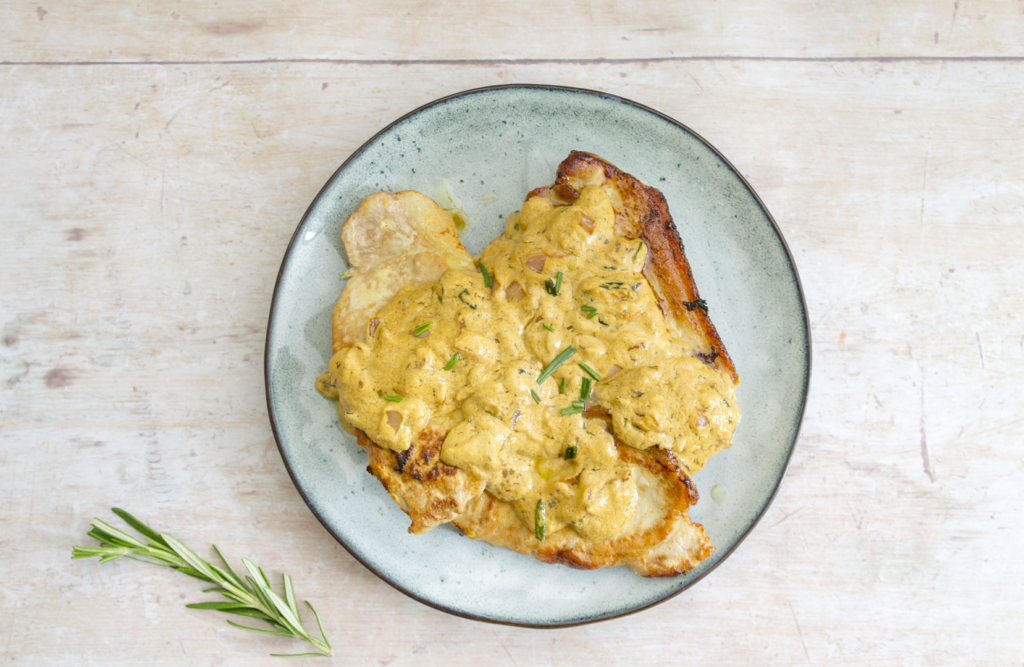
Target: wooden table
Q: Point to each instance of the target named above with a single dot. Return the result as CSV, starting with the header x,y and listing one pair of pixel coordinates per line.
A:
x,y
156,157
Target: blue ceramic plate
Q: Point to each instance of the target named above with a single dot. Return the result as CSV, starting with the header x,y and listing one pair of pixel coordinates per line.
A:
x,y
492,146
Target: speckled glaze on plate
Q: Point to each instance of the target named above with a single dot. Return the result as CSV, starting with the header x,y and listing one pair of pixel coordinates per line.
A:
x,y
502,142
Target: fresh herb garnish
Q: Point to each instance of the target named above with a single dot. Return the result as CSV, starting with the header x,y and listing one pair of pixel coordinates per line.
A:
x,y
585,388
487,276
589,309
451,362
589,371
578,404
540,520
253,596
571,411
554,286
493,415
393,398
464,293
612,285
422,329
536,397
570,452
638,246
561,386
562,357
547,326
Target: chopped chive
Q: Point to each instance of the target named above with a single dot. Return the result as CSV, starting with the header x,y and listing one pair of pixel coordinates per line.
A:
x,y
570,452
561,386
589,371
570,411
562,357
578,404
554,286
638,246
487,276
451,362
585,389
588,309
422,329
548,326
393,398
536,397
493,415
462,294
540,524
591,316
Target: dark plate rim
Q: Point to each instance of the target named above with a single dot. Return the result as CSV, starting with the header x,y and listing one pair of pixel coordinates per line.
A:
x,y
475,617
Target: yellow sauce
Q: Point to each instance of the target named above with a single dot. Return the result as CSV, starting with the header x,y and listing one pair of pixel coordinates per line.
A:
x,y
406,374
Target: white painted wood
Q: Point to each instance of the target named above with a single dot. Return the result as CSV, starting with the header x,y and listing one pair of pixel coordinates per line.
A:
x,y
194,30
145,210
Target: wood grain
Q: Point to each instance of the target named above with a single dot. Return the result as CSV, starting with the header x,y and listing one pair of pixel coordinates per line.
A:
x,y
388,30
146,208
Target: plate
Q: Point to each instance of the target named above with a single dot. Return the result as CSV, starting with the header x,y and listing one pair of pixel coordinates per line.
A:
x,y
492,145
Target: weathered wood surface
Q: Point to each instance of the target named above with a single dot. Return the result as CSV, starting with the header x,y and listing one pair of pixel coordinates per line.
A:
x,y
194,30
146,207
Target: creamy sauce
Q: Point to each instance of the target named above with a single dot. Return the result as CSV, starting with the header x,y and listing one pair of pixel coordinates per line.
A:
x,y
465,354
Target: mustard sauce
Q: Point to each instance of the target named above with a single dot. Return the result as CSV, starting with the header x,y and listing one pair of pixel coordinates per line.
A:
x,y
464,354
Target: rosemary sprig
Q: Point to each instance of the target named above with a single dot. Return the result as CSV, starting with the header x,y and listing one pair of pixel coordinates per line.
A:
x,y
252,596
562,357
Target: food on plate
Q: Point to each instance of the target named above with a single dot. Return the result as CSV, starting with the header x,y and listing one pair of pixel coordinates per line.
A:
x,y
554,396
